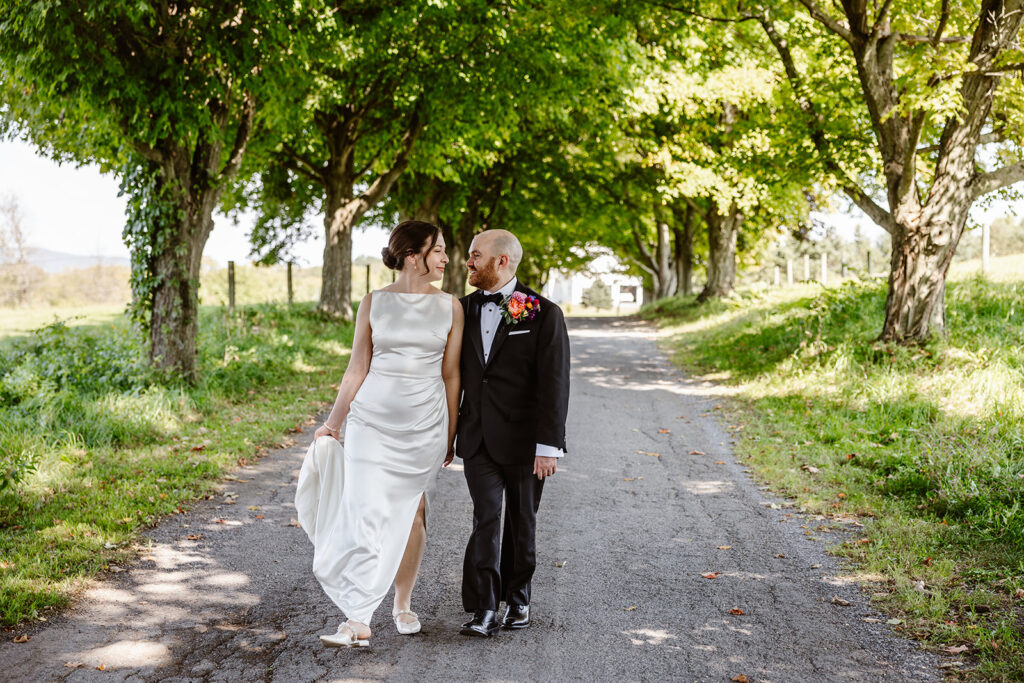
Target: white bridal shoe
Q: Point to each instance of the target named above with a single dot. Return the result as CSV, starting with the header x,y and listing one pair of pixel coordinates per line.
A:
x,y
345,637
406,628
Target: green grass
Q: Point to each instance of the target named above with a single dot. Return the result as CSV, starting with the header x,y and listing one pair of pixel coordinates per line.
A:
x,y
924,445
20,322
116,451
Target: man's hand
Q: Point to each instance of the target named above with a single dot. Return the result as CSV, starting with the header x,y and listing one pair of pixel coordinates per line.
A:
x,y
544,467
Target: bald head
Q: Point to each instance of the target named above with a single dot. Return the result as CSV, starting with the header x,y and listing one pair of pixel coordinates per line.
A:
x,y
494,256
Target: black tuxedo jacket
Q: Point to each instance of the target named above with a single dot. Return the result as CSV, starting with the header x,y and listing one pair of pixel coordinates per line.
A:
x,y
520,397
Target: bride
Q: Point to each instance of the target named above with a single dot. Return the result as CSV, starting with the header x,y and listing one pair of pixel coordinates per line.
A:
x,y
364,507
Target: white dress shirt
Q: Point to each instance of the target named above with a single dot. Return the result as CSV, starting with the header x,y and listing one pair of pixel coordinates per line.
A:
x,y
490,318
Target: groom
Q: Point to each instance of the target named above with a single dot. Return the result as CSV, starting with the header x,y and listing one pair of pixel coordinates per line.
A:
x,y
511,431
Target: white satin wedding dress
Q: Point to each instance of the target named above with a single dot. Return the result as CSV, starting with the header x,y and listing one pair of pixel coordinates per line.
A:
x,y
357,503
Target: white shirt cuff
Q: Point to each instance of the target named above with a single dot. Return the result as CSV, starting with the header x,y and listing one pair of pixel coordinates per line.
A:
x,y
545,451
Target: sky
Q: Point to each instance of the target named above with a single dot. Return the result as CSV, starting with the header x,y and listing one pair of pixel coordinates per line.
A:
x,y
76,210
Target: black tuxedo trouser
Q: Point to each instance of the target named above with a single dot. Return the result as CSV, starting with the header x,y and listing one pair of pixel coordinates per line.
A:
x,y
499,565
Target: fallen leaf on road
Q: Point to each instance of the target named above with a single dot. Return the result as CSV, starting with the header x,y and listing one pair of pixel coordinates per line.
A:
x,y
725,547
259,516
711,575
195,537
736,610
815,566
664,431
23,638
254,508
73,665
780,555
836,600
102,666
957,649
719,462
629,479
740,678
656,455
894,622
696,452
560,564
219,521
872,620
294,522
630,609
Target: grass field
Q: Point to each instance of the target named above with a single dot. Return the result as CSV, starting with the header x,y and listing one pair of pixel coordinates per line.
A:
x,y
18,322
114,450
924,445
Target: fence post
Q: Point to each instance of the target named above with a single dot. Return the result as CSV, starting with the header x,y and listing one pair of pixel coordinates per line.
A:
x,y
367,278
869,262
842,270
824,268
291,292
231,286
789,271
986,244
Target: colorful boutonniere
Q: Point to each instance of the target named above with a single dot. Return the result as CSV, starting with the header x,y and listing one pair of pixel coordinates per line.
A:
x,y
518,307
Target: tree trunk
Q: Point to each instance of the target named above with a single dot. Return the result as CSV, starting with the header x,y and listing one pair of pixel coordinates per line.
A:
x,y
722,233
684,253
343,208
174,318
192,180
341,214
666,285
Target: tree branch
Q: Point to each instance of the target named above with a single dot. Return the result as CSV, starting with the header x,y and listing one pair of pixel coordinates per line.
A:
x,y
998,179
302,165
827,20
849,187
241,137
652,265
376,191
934,40
943,19
994,136
699,15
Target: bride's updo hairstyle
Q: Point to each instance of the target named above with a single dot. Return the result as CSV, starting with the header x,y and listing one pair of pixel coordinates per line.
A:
x,y
409,237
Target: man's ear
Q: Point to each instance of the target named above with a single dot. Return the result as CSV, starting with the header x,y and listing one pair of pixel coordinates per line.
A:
x,y
503,260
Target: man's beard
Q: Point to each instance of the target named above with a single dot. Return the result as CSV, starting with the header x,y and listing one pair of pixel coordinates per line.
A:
x,y
485,278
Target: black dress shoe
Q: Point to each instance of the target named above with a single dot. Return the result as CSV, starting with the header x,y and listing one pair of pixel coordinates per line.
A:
x,y
517,616
483,624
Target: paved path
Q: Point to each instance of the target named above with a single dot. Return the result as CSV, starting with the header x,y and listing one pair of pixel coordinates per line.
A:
x,y
624,536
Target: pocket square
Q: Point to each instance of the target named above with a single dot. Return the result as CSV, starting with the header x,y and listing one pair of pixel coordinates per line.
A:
x,y
519,332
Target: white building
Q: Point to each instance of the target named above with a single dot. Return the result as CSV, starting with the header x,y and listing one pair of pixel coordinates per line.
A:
x,y
566,290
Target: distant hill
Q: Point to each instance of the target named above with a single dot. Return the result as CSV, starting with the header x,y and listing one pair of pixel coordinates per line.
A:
x,y
58,261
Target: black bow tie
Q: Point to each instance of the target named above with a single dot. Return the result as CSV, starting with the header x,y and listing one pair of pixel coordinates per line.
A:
x,y
495,298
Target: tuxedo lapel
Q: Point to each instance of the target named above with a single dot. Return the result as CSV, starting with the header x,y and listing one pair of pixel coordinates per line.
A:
x,y
474,326
501,334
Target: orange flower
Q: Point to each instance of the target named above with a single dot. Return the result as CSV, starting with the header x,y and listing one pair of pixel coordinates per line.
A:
x,y
516,307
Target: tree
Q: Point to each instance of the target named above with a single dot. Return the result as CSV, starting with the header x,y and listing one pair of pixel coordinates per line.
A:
x,y
520,156
598,295
17,276
165,95
710,141
375,85
931,85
